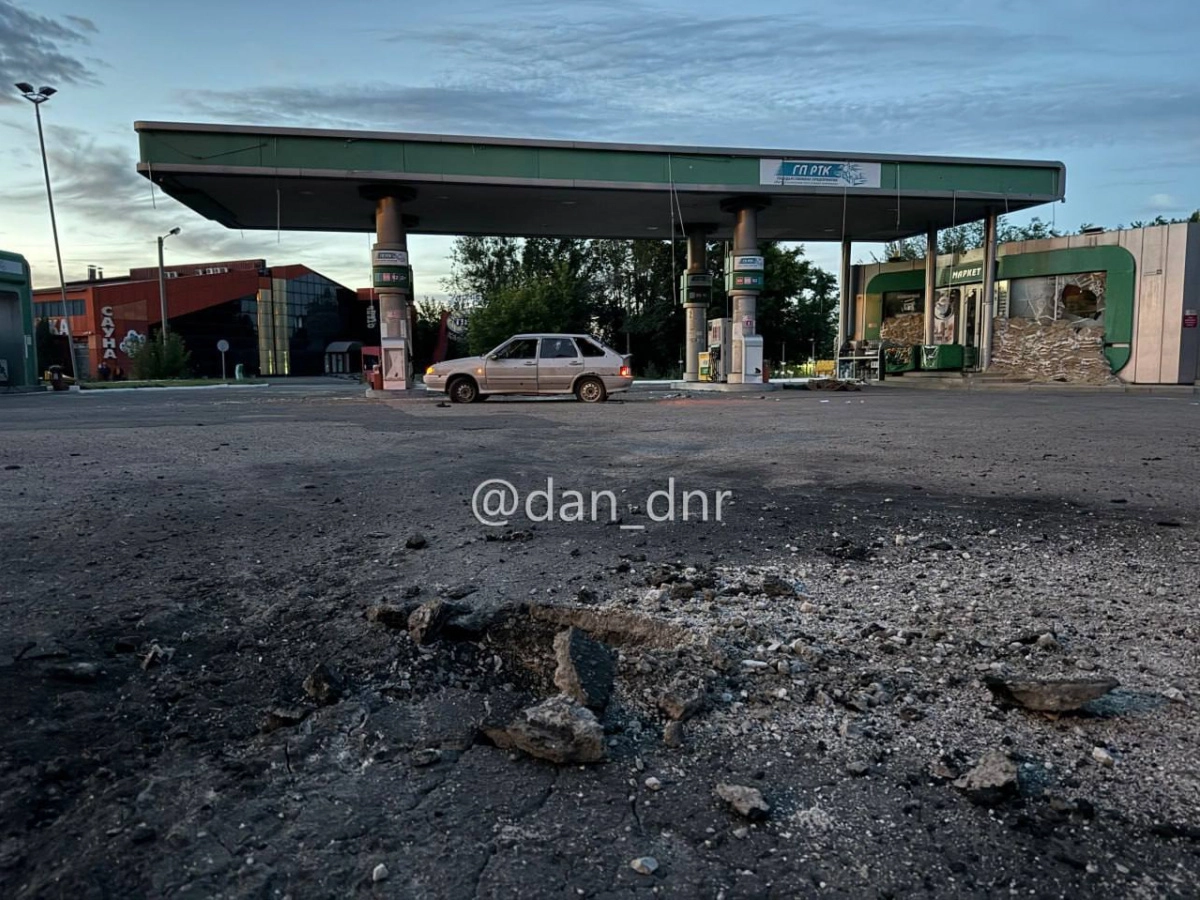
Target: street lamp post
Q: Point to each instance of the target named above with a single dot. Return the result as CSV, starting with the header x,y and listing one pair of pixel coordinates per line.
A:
x,y
162,285
37,98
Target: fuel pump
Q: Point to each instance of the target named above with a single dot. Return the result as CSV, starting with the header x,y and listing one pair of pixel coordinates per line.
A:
x,y
720,341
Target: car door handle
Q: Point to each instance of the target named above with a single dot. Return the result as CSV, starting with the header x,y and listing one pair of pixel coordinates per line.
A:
x,y
576,363
531,363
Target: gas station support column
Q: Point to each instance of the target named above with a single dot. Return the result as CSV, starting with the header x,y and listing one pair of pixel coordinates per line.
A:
x,y
697,289
744,281
931,245
845,299
988,310
391,277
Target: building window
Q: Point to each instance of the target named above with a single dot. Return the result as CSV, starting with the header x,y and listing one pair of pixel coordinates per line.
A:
x,y
902,303
1078,299
55,308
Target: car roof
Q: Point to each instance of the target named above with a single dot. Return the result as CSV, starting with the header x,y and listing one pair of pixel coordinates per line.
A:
x,y
547,334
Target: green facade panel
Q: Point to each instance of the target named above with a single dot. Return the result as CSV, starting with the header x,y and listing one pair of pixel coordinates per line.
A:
x,y
340,153
968,178
17,345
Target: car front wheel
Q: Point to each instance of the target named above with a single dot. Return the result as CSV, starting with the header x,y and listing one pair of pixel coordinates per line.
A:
x,y
463,390
591,390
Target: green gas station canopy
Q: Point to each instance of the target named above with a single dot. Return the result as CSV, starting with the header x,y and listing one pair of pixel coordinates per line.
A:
x,y
319,180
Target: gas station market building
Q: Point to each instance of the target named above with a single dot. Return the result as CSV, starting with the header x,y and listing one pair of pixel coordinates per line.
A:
x,y
397,184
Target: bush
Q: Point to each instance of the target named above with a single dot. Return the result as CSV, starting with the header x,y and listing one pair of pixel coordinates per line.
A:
x,y
157,359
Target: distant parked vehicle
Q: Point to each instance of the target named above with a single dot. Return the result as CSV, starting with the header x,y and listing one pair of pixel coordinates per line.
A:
x,y
535,364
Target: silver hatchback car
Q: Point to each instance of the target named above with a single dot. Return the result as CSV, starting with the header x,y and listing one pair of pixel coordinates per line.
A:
x,y
535,364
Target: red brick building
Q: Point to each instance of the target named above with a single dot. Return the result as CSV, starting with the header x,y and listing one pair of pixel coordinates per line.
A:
x,y
278,320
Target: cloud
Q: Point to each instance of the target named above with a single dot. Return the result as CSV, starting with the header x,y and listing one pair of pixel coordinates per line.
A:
x,y
904,80
83,24
38,48
1162,203
108,216
508,111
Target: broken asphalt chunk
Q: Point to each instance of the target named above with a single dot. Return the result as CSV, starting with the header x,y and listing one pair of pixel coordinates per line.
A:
x,y
558,730
586,668
1046,695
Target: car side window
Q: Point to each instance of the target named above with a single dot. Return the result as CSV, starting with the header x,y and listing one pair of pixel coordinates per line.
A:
x,y
526,348
590,348
558,348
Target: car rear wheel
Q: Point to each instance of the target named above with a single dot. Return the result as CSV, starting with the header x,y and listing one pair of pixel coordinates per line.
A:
x,y
591,390
463,390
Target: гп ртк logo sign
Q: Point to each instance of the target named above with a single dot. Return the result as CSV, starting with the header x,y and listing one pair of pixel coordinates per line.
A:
x,y
495,501
820,173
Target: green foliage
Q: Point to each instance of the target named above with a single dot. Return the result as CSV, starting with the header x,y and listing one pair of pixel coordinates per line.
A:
x,y
551,305
156,359
627,294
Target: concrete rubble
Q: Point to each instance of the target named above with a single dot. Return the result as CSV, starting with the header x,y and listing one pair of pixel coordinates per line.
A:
x,y
745,801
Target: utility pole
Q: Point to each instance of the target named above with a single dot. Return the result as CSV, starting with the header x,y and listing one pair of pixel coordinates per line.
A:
x,y
37,98
162,286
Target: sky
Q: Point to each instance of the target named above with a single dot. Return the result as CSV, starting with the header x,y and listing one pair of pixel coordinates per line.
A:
x,y
1110,88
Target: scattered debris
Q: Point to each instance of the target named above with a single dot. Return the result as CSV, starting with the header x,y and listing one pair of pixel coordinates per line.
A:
x,y
157,655
391,616
415,541
745,801
284,717
774,586
1102,756
425,757
644,865
379,873
515,534
616,626
427,620
323,685
653,784
992,781
683,697
558,729
78,672
674,734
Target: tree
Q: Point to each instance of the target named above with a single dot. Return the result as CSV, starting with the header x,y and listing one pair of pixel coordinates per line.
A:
x,y
157,359
627,293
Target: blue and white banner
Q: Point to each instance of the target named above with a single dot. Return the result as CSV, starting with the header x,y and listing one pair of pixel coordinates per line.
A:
x,y
819,173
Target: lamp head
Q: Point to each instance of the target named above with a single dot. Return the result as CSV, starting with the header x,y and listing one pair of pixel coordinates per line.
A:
x,y
24,87
174,230
47,91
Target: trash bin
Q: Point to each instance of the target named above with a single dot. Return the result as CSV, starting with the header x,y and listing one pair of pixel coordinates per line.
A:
x,y
57,381
375,378
239,372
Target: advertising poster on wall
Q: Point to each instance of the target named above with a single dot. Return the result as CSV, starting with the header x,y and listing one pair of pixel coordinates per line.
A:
x,y
945,315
